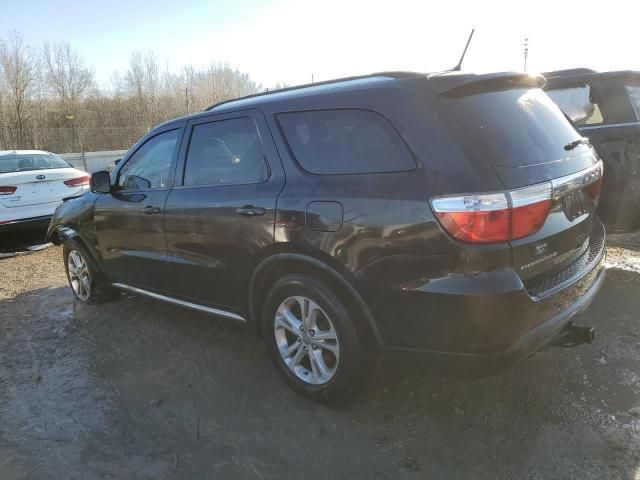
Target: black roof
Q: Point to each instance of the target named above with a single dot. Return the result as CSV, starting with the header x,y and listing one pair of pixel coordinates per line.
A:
x,y
441,81
297,91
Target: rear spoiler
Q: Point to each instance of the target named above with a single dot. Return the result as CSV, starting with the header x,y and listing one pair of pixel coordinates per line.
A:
x,y
461,85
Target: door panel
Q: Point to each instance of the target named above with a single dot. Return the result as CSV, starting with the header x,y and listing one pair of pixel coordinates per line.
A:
x,y
221,217
131,237
129,221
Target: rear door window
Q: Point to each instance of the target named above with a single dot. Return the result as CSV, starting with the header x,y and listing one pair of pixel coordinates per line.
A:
x,y
334,142
578,104
225,152
634,97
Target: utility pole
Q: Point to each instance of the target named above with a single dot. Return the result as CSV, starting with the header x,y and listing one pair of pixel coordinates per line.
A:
x,y
312,78
186,98
526,52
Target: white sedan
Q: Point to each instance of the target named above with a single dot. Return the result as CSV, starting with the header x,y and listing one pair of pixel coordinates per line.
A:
x,y
32,184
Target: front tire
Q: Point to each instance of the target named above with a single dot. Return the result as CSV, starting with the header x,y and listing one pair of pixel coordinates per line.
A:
x,y
312,340
85,279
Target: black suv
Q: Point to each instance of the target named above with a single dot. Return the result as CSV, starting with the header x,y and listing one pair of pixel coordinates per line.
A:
x,y
606,107
449,214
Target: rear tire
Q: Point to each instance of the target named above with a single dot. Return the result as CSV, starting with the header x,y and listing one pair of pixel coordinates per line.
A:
x,y
85,278
312,340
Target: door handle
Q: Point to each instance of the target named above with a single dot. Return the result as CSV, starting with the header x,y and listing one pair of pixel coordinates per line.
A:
x,y
249,211
150,210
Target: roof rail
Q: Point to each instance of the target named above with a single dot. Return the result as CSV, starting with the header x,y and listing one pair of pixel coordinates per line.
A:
x,y
315,84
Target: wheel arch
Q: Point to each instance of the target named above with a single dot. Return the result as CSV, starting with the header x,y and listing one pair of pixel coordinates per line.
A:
x,y
59,234
279,264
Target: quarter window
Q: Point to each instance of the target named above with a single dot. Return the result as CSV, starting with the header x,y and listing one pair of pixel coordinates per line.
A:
x,y
225,152
345,142
577,103
150,166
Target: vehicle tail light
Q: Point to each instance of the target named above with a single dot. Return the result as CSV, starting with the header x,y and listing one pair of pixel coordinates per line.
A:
x,y
513,214
8,190
530,207
474,218
494,217
594,188
78,181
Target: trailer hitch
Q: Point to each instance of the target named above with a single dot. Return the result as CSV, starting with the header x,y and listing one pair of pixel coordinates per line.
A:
x,y
573,335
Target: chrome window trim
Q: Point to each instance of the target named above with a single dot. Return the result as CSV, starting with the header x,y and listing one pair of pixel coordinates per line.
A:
x,y
182,303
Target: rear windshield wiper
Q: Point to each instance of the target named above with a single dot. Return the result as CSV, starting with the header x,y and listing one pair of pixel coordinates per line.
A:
x,y
575,143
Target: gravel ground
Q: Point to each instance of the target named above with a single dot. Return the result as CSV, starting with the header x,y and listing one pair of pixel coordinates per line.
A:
x,y
137,389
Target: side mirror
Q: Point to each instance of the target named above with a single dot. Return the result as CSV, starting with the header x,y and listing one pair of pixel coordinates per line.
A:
x,y
116,162
100,182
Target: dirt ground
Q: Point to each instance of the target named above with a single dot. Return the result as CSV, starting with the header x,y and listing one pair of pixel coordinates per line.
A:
x,y
137,389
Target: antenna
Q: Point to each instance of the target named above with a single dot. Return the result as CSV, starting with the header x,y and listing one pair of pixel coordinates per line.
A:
x,y
459,65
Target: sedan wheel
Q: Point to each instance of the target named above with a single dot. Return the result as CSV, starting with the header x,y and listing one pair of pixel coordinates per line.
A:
x,y
79,275
307,340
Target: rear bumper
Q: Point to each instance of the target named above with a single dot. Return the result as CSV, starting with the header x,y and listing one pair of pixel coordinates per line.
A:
x,y
476,324
33,223
479,364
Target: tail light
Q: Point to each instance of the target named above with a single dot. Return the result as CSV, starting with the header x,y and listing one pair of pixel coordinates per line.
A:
x,y
78,181
594,188
504,216
530,207
8,190
474,218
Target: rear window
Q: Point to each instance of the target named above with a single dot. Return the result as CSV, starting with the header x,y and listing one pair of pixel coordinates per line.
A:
x,y
334,142
516,127
26,162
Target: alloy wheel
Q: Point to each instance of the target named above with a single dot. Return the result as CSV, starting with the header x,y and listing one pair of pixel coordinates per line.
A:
x,y
307,340
79,275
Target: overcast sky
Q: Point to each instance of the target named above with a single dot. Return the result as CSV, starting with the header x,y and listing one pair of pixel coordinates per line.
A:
x,y
288,41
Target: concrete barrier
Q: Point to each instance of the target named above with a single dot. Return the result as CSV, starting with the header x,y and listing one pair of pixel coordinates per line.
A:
x,y
93,161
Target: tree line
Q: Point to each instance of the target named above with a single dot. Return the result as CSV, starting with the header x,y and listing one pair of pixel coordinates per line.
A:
x,y
49,99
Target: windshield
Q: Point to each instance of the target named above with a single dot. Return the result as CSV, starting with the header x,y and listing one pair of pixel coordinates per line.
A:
x,y
35,161
514,128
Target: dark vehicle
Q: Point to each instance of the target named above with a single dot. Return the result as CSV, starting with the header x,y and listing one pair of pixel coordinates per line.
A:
x,y
451,215
606,108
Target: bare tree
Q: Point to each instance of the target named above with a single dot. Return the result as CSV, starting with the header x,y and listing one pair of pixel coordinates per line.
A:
x,y
66,73
19,69
68,79
217,83
41,90
143,83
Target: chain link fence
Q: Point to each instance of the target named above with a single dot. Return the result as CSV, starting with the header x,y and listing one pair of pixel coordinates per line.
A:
x,y
70,138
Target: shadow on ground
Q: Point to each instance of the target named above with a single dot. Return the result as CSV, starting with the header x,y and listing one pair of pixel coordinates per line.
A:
x,y
12,243
138,389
